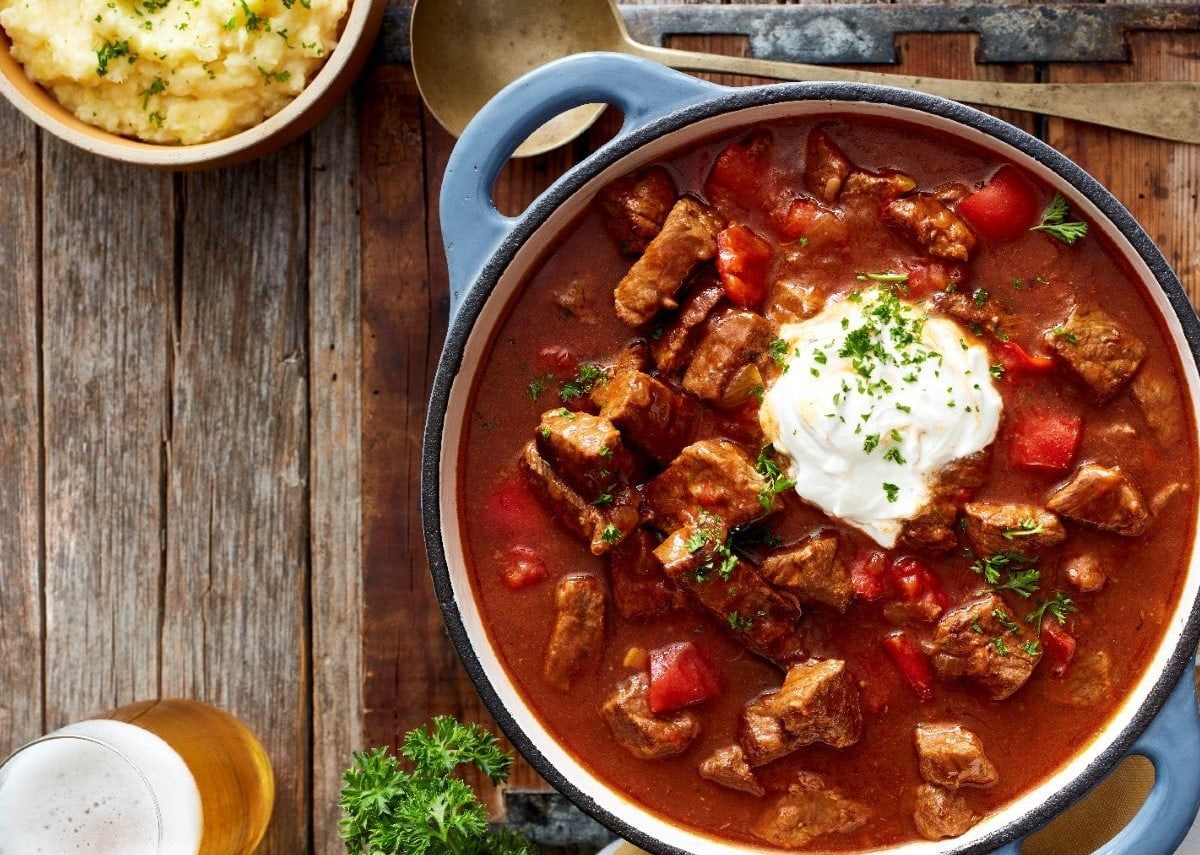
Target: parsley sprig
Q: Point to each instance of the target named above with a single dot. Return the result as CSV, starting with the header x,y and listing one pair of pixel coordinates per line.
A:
x,y
387,810
1058,608
1054,222
777,481
586,379
1022,579
1025,528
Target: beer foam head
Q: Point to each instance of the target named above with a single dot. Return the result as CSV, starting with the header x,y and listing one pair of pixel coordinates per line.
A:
x,y
112,789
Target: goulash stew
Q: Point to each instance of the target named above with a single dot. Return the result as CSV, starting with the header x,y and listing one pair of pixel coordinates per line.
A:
x,y
828,486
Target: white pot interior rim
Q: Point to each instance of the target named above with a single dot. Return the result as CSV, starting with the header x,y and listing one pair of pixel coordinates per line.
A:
x,y
508,268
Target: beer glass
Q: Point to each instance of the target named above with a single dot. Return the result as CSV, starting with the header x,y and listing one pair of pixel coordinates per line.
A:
x,y
166,777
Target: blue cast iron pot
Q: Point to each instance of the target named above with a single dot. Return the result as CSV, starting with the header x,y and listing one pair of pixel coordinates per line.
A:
x,y
490,256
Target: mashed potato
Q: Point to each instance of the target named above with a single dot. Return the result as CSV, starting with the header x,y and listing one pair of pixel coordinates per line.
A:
x,y
172,71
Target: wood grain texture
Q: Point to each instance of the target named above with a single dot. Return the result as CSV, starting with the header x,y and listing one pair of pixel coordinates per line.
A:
x,y
236,598
108,247
1158,181
335,415
20,436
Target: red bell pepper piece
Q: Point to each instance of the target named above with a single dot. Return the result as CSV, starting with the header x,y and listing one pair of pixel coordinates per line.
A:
x,y
740,171
1058,645
1018,360
806,220
1046,439
915,581
512,507
522,567
1003,209
869,576
742,261
679,676
911,662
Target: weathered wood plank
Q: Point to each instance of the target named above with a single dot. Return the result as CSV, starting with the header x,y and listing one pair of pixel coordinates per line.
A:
x,y
108,263
336,513
1158,181
20,436
236,600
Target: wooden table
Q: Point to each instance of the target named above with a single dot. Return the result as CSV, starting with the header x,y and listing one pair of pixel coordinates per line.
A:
x,y
212,392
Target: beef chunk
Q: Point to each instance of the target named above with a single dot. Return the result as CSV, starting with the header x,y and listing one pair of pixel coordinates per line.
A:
x,y
581,447
1084,572
1098,349
640,589
940,813
638,730
650,415
931,224
601,527
982,641
952,756
1011,526
762,618
886,185
677,341
728,767
812,571
578,632
636,207
1103,498
809,809
818,702
1158,399
688,237
825,166
790,301
931,531
1088,682
732,340
963,306
713,477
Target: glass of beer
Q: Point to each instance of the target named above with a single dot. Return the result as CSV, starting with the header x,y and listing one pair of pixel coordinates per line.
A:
x,y
166,777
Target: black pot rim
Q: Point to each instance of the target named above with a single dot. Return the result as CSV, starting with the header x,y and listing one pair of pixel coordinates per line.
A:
x,y
529,222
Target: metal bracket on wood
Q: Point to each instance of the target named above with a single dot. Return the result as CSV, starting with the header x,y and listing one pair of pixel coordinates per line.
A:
x,y
849,34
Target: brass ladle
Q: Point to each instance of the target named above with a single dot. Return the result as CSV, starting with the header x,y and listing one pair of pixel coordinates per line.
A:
x,y
465,51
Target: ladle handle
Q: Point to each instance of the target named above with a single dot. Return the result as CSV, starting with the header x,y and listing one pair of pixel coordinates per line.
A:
x,y
472,229
1168,110
1172,744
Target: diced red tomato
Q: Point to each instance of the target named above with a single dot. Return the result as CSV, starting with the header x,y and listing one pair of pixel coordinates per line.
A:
x,y
512,507
557,360
869,576
742,261
679,676
1004,208
1045,439
916,582
1018,360
522,567
806,219
1058,645
739,173
911,662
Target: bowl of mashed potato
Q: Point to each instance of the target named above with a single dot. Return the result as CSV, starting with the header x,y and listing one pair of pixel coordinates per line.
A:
x,y
182,83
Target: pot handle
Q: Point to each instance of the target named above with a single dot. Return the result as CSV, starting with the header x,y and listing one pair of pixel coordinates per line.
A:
x,y
1172,744
472,228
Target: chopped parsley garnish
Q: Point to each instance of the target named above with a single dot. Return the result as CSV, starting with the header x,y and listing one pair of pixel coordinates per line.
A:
x,y
1006,622
888,277
1067,335
996,370
156,87
1058,608
870,442
738,623
611,534
980,296
976,626
1025,528
1031,647
1000,646
820,357
778,349
1023,576
893,455
1054,222
904,408
586,379
538,385
109,51
604,499
892,491
776,480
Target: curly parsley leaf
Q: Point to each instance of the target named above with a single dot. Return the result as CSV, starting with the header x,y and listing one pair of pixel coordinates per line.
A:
x,y
1058,608
387,810
1054,222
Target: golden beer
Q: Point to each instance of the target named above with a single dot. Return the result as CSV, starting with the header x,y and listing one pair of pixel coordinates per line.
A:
x,y
169,777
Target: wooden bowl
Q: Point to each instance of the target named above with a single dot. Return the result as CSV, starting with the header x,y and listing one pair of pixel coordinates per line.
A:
x,y
323,92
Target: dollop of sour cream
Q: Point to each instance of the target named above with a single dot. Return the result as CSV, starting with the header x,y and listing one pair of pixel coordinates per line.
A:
x,y
876,396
